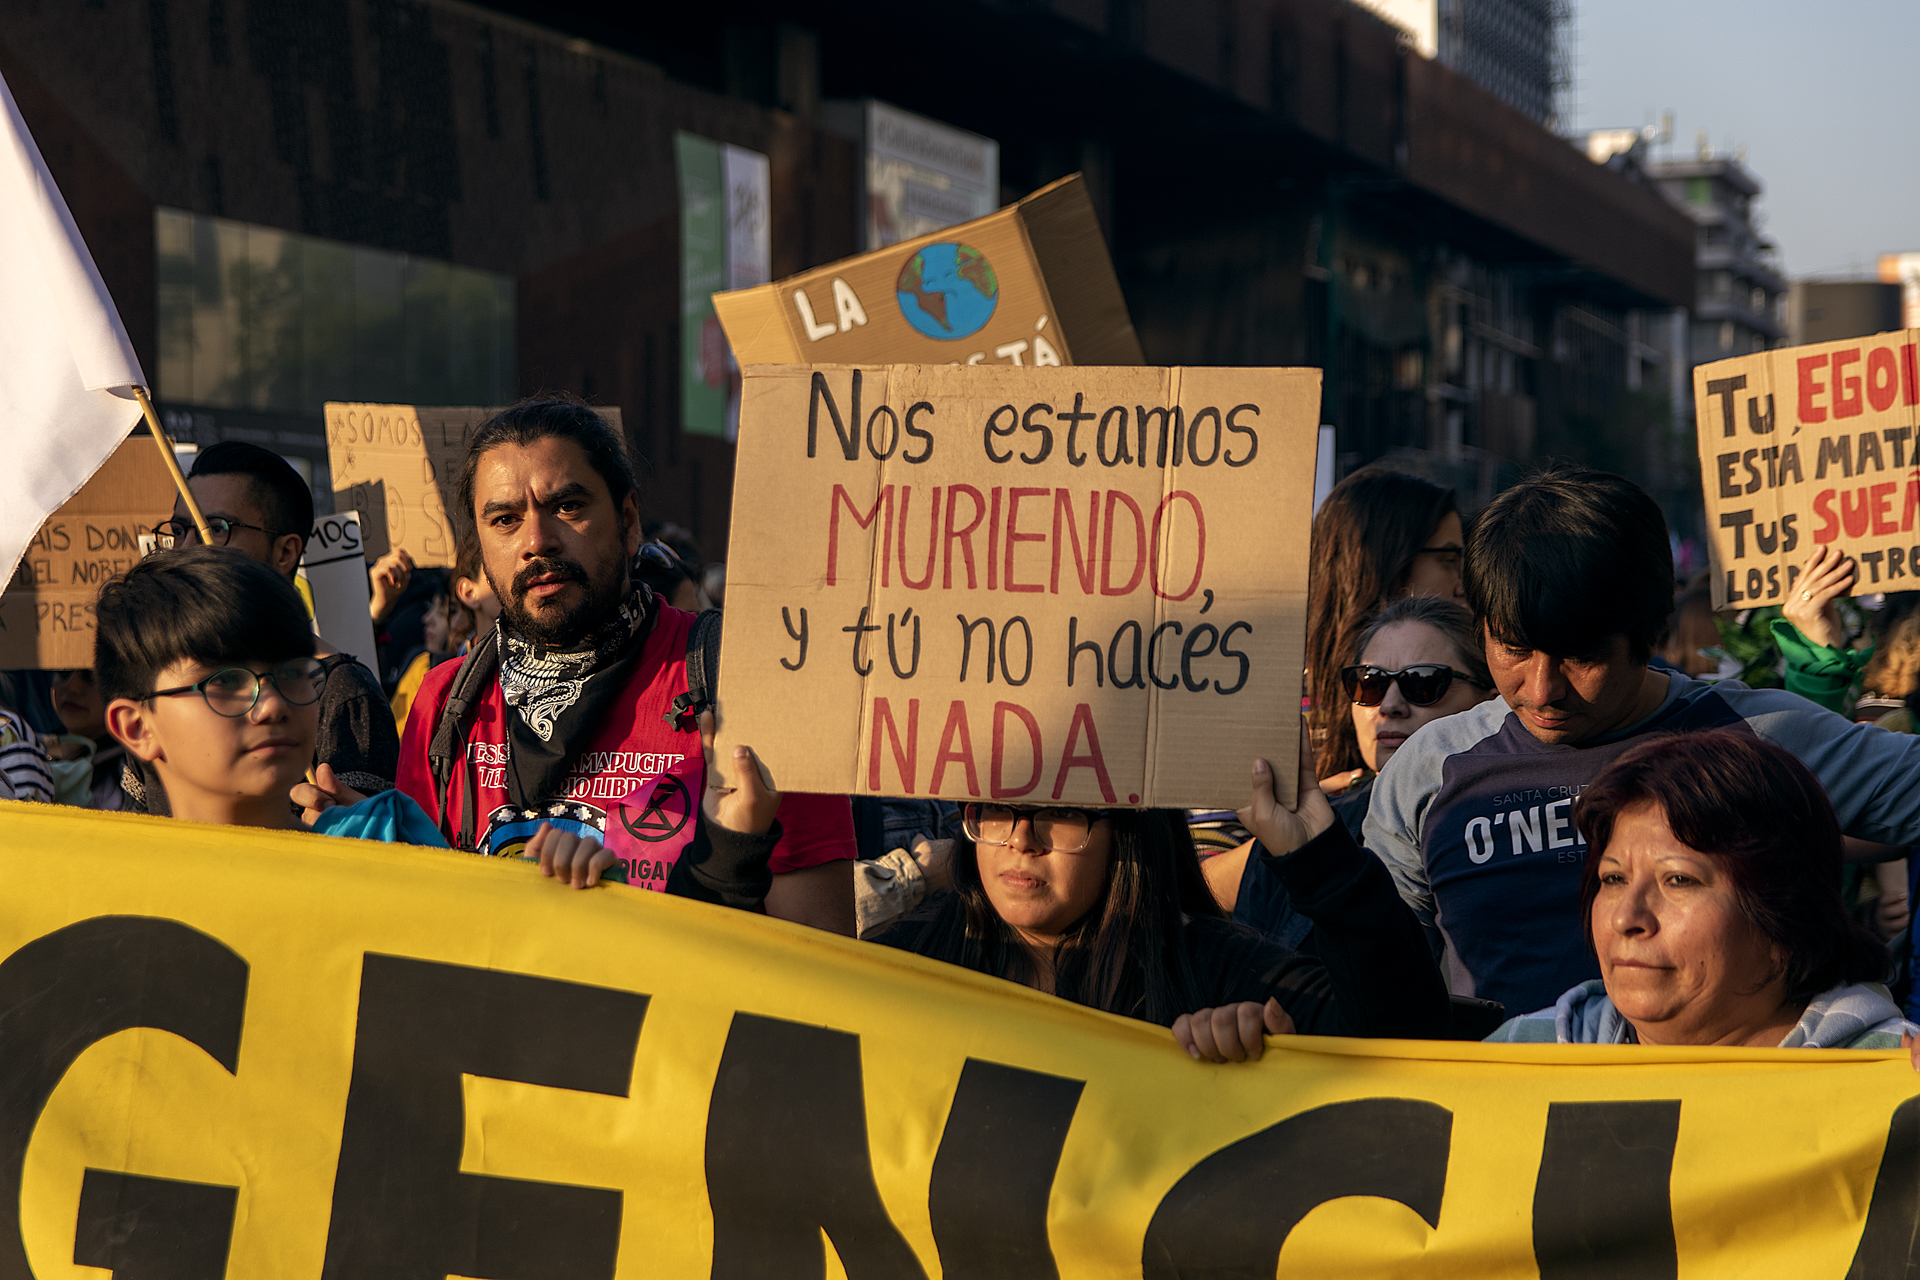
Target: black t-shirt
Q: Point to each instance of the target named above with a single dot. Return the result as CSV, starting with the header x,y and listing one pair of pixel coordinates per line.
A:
x,y
1374,976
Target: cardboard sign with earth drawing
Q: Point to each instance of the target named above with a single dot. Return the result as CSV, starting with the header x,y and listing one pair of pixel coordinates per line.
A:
x,y
1030,285
1082,585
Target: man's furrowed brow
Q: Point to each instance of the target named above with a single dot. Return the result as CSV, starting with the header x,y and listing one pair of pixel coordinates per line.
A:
x,y
500,507
566,493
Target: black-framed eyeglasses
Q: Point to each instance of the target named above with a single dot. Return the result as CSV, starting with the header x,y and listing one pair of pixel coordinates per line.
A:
x,y
1422,685
235,691
1055,828
183,533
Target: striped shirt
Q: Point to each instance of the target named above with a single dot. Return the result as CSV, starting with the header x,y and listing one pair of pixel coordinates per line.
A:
x,y
24,772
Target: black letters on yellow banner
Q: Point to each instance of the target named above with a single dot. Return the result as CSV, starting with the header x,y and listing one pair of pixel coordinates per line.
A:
x,y
67,991
787,1152
402,1210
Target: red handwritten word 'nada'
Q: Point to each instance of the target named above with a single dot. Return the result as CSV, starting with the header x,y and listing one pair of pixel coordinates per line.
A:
x,y
1023,539
1015,734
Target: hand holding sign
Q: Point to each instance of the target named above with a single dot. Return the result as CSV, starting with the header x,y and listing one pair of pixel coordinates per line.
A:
x,y
1828,574
738,796
1280,829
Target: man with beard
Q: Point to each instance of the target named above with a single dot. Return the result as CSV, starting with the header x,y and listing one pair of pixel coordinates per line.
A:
x,y
562,716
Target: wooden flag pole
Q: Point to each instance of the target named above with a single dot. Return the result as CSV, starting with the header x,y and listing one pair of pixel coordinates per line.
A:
x,y
165,446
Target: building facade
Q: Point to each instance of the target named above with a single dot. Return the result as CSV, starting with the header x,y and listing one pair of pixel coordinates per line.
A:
x,y
1740,301
434,201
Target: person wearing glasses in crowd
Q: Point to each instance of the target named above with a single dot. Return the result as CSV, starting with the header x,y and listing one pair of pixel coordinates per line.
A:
x,y
1108,908
1571,577
1418,661
205,662
560,726
256,504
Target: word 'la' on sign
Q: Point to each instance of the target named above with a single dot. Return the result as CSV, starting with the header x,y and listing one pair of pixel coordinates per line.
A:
x,y
1809,447
1083,585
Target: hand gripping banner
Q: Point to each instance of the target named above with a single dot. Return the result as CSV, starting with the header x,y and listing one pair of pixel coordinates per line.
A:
x,y
237,1053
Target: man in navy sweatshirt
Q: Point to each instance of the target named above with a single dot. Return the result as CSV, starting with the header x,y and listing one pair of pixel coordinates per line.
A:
x,y
1571,578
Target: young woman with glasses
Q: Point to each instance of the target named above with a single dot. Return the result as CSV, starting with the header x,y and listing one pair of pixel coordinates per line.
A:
x,y
1107,908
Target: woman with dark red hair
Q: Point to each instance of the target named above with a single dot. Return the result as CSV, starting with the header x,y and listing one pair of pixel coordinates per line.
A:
x,y
1711,898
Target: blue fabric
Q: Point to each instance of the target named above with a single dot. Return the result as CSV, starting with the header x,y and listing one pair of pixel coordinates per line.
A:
x,y
389,816
1265,907
1859,1016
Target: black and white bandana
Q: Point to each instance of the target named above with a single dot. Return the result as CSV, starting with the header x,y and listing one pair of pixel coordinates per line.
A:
x,y
554,697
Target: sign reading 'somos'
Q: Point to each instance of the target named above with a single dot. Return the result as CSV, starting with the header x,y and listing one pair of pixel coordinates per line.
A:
x,y
1808,447
1077,585
1030,285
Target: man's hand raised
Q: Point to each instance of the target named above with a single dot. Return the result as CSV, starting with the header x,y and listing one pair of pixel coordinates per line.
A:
x,y
1280,829
738,797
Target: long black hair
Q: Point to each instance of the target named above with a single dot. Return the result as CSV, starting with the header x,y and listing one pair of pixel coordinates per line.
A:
x,y
1121,956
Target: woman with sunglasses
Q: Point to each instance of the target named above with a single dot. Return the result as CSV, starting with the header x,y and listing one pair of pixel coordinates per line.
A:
x,y
1415,662
1107,908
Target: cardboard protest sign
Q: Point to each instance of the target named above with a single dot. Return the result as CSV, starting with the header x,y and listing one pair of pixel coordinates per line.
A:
x,y
334,570
398,465
1030,285
1084,585
46,612
1805,447
237,1052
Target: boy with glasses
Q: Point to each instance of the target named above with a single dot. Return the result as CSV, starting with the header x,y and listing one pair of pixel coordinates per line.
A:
x,y
206,665
256,504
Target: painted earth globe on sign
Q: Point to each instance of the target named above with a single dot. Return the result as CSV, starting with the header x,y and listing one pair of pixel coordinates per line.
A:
x,y
948,290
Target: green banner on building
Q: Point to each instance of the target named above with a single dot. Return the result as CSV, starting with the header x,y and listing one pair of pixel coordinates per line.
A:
x,y
703,271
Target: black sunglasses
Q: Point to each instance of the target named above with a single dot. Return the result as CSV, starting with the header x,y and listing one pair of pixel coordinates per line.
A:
x,y
1422,685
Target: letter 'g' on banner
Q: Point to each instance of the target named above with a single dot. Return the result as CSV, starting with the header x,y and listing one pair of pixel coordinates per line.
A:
x,y
243,1053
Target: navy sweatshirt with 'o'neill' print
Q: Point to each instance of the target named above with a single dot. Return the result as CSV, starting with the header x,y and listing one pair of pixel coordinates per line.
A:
x,y
1473,816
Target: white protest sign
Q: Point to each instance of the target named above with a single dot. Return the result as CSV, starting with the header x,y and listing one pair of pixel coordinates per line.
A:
x,y
334,573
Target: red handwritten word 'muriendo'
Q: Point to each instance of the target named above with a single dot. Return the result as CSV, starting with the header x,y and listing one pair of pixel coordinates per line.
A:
x,y
1121,548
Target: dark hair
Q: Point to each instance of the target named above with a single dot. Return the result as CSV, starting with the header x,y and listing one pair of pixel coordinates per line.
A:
x,y
286,504
1449,617
1120,956
1365,537
1568,558
193,604
467,561
551,414
1764,818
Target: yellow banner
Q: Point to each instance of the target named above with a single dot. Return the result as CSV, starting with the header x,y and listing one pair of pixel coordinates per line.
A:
x,y
239,1053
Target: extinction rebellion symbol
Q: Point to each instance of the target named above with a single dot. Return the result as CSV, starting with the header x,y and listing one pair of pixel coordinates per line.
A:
x,y
659,821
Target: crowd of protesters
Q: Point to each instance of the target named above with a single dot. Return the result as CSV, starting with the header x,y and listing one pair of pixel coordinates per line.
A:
x,y
1541,796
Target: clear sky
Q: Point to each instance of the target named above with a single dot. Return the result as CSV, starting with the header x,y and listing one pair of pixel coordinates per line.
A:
x,y
1822,94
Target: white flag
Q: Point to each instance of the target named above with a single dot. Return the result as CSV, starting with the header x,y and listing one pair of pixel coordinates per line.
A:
x,y
67,371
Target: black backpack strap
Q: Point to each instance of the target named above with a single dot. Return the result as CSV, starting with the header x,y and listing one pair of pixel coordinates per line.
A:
x,y
447,748
703,673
